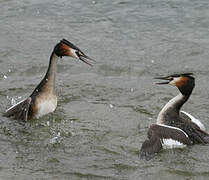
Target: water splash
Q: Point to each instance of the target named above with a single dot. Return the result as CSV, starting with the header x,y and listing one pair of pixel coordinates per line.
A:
x,y
56,139
48,123
13,101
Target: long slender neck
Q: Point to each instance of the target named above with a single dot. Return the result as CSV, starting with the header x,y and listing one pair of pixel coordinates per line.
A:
x,y
171,110
48,82
50,76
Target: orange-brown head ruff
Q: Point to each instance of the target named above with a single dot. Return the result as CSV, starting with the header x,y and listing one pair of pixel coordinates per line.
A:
x,y
179,82
66,48
184,82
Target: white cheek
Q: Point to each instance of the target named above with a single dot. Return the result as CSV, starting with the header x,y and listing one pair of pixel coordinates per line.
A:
x,y
174,81
73,51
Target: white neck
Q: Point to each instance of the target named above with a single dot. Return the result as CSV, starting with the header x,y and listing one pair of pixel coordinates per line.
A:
x,y
170,106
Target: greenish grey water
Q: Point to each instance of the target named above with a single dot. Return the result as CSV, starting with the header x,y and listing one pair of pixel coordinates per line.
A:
x,y
103,112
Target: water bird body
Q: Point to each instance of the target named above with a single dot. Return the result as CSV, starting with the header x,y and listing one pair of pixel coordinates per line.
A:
x,y
43,99
175,128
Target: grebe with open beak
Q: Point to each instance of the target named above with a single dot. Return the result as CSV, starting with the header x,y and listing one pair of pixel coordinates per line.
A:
x,y
43,100
173,129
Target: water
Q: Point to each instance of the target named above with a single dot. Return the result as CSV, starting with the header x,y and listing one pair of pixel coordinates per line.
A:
x,y
103,112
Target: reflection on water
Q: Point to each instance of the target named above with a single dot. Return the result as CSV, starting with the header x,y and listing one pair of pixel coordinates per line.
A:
x,y
103,112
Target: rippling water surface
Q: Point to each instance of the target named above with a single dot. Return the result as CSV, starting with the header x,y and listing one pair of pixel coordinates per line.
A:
x,y
103,112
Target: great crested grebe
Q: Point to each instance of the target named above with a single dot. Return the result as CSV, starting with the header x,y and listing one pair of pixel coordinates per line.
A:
x,y
174,129
43,100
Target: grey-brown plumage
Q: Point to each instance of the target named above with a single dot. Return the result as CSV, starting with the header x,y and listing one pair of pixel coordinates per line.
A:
x,y
194,132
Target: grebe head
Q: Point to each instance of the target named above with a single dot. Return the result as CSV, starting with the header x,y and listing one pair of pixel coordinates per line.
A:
x,y
184,82
66,48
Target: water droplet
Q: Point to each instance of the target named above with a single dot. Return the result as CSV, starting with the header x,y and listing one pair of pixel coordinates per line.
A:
x,y
72,133
46,79
13,101
111,106
132,89
36,90
5,77
53,140
10,70
93,2
56,139
48,123
152,61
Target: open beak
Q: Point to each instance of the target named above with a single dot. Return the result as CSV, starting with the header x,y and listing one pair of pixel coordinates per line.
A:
x,y
85,58
168,79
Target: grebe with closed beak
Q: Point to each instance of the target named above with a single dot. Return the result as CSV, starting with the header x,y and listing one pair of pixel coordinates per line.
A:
x,y
43,100
174,129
